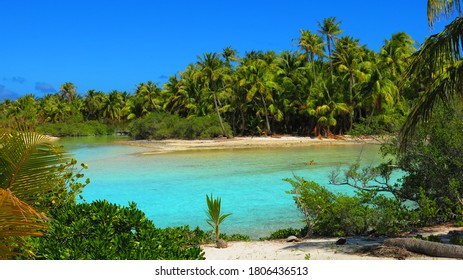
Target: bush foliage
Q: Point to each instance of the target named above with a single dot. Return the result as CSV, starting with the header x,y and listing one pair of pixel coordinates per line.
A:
x,y
433,164
331,214
84,128
167,126
104,231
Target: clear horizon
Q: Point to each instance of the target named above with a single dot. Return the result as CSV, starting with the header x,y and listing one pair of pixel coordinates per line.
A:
x,y
115,47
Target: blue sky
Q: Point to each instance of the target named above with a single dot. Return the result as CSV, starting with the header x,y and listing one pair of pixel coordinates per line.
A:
x,y
115,45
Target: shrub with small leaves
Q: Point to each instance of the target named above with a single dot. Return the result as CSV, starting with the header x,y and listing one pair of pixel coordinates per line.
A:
x,y
104,231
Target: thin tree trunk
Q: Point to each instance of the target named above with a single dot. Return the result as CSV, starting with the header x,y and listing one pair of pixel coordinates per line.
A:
x,y
351,97
269,131
312,60
331,60
243,122
218,114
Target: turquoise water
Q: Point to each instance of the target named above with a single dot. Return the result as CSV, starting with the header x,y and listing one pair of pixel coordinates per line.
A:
x,y
171,188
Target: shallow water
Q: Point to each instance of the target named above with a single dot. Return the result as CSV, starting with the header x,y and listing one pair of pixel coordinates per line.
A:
x,y
171,188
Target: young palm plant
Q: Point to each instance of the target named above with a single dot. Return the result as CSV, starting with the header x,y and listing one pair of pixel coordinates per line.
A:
x,y
215,218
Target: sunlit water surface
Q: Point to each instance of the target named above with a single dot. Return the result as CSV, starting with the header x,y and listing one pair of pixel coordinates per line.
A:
x,y
171,188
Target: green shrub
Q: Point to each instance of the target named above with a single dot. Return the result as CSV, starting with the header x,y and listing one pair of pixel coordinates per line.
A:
x,y
283,233
433,238
104,231
75,129
167,126
456,240
345,216
332,214
234,237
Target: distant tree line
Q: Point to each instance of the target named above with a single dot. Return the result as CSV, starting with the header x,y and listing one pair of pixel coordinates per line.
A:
x,y
330,85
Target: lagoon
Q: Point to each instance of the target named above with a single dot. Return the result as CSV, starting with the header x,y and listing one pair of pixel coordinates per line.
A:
x,y
171,188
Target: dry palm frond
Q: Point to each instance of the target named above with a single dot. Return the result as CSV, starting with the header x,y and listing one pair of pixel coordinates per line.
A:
x,y
27,160
437,8
17,219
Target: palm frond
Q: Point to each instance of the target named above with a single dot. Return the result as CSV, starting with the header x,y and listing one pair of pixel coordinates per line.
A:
x,y
17,219
438,65
26,160
437,8
444,89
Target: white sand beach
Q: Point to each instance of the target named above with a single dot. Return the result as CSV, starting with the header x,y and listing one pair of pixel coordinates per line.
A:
x,y
320,248
171,145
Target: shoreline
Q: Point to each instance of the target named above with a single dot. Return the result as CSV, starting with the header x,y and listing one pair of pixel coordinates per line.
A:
x,y
175,145
321,248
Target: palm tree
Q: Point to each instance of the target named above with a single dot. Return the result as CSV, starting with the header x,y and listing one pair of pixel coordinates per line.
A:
x,y
213,74
395,54
214,215
114,106
50,108
438,63
27,160
330,29
387,72
151,96
293,80
94,102
24,111
312,44
68,91
324,107
229,54
178,100
348,59
257,79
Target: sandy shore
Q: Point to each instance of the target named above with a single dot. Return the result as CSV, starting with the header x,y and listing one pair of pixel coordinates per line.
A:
x,y
163,146
319,248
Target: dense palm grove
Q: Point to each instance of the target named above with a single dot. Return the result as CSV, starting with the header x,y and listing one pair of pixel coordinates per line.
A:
x,y
330,85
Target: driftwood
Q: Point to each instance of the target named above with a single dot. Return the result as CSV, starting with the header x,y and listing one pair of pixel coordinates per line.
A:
x,y
433,249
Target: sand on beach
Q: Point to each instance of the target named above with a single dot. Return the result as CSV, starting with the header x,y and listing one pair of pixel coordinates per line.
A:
x,y
318,248
171,145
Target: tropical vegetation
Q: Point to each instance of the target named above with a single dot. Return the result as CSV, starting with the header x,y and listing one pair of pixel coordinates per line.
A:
x,y
35,178
332,84
214,215
41,219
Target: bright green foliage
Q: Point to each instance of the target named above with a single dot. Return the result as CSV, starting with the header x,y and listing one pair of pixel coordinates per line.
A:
x,y
104,231
311,199
437,66
326,87
214,215
284,233
75,129
433,163
234,237
457,240
35,177
330,214
164,126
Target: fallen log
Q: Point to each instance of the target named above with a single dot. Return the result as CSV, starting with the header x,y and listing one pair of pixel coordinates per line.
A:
x,y
433,249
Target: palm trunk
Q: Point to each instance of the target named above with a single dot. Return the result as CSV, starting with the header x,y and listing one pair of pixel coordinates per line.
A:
x,y
269,131
351,100
312,60
243,122
218,114
429,248
331,60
